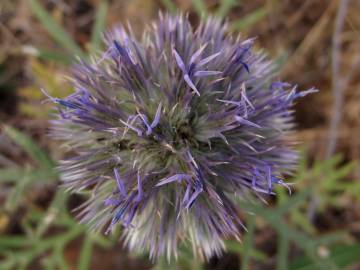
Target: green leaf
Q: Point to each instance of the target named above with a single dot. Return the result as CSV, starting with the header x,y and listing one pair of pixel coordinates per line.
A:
x,y
305,242
47,55
282,252
55,30
55,213
342,255
58,258
248,243
293,201
8,263
85,255
334,175
54,56
30,147
200,7
237,247
11,174
14,198
7,242
163,264
280,61
225,7
101,240
300,219
99,25
332,238
170,6
250,19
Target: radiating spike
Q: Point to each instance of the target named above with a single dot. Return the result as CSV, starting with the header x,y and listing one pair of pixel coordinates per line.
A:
x,y
191,84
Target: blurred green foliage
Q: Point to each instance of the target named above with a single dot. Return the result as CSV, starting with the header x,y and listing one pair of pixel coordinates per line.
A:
x,y
63,39
20,251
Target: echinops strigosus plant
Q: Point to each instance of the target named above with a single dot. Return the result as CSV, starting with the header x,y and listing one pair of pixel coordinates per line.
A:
x,y
169,131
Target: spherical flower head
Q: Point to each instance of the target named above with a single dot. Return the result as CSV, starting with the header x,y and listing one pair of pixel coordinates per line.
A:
x,y
169,131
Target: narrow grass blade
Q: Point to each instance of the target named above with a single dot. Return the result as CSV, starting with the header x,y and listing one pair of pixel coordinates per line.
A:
x,y
163,264
55,30
225,7
249,239
11,174
13,241
16,194
29,146
99,25
169,5
342,255
47,55
237,247
250,19
293,201
59,258
54,57
200,7
85,255
302,240
282,252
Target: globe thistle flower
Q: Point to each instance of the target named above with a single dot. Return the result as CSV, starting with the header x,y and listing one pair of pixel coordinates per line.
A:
x,y
168,132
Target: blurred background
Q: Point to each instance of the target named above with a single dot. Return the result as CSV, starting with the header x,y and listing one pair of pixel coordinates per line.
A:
x,y
314,42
